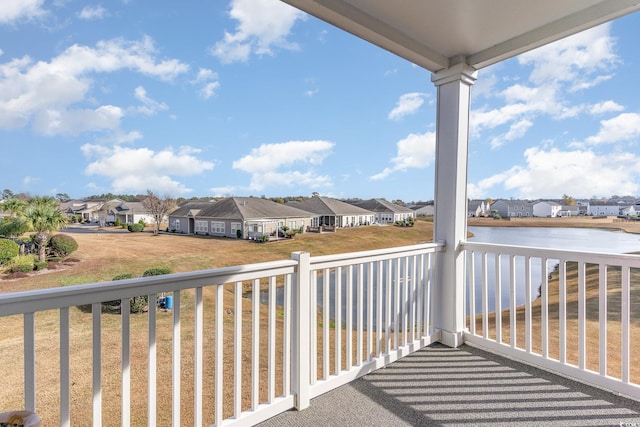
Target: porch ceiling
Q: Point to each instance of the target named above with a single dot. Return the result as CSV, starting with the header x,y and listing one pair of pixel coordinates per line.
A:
x,y
437,34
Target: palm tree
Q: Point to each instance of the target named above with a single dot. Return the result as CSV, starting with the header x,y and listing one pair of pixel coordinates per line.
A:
x,y
44,218
13,206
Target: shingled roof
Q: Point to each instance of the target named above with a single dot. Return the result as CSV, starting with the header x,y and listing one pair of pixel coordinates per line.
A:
x,y
381,205
245,208
328,206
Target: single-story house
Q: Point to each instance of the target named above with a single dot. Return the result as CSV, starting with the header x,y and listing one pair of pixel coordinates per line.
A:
x,y
334,213
124,212
87,211
237,217
385,212
546,209
423,209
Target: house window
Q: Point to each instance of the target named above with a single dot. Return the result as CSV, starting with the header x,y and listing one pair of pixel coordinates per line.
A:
x,y
235,227
217,227
292,224
176,224
201,227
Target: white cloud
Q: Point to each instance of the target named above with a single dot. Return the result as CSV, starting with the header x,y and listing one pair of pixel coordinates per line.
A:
x,y
47,94
605,107
516,130
138,169
415,151
623,128
149,106
272,165
577,60
409,103
15,10
223,191
92,12
262,26
209,81
581,173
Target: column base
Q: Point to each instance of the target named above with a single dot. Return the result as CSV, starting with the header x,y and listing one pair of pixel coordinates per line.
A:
x,y
452,339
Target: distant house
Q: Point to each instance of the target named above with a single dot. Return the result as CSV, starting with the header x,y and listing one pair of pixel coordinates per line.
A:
x,y
599,208
570,210
237,217
105,212
513,208
335,213
477,208
385,212
546,209
423,209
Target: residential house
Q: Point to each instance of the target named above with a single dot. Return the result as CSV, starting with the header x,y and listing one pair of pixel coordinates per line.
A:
x,y
386,212
513,208
86,211
546,209
476,208
237,217
570,210
334,213
423,209
603,208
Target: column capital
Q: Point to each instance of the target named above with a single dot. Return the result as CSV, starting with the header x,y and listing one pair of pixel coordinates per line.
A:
x,y
459,72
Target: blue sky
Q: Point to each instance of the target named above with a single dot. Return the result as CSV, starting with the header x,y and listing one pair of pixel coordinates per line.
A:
x,y
252,97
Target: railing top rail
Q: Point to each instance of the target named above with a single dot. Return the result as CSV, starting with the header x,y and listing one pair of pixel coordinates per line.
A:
x,y
326,261
55,298
550,253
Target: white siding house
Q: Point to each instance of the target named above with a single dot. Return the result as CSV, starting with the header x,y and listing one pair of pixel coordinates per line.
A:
x,y
544,209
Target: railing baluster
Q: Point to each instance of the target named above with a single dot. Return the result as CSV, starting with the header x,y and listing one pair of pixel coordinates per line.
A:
x,y
527,303
562,309
379,309
237,350
286,339
427,299
359,318
314,326
338,319
176,370
29,362
602,311
198,346
582,319
498,295
405,300
485,297
471,273
325,323
349,316
626,322
370,327
125,318
271,383
96,313
388,306
152,408
65,404
411,283
396,308
544,298
255,345
512,302
219,352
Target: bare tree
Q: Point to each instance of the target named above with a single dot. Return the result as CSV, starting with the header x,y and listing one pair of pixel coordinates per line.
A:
x,y
158,207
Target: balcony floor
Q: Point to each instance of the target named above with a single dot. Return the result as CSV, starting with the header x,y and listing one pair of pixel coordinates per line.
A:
x,y
466,386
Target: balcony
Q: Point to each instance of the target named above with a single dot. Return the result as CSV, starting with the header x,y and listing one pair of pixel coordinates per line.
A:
x,y
220,357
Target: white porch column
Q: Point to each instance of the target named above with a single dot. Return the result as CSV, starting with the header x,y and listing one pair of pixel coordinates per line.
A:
x,y
450,220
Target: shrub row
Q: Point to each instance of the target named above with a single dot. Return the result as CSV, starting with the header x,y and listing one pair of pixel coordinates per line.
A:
x,y
138,304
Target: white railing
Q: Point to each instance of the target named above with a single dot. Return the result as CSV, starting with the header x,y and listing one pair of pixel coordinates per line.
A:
x,y
571,312
215,356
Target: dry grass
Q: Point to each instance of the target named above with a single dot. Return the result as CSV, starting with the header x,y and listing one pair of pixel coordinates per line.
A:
x,y
106,254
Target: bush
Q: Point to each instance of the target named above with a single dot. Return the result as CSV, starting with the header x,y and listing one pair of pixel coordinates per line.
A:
x,y
138,304
156,271
8,250
118,223
22,264
122,276
41,265
61,245
135,227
